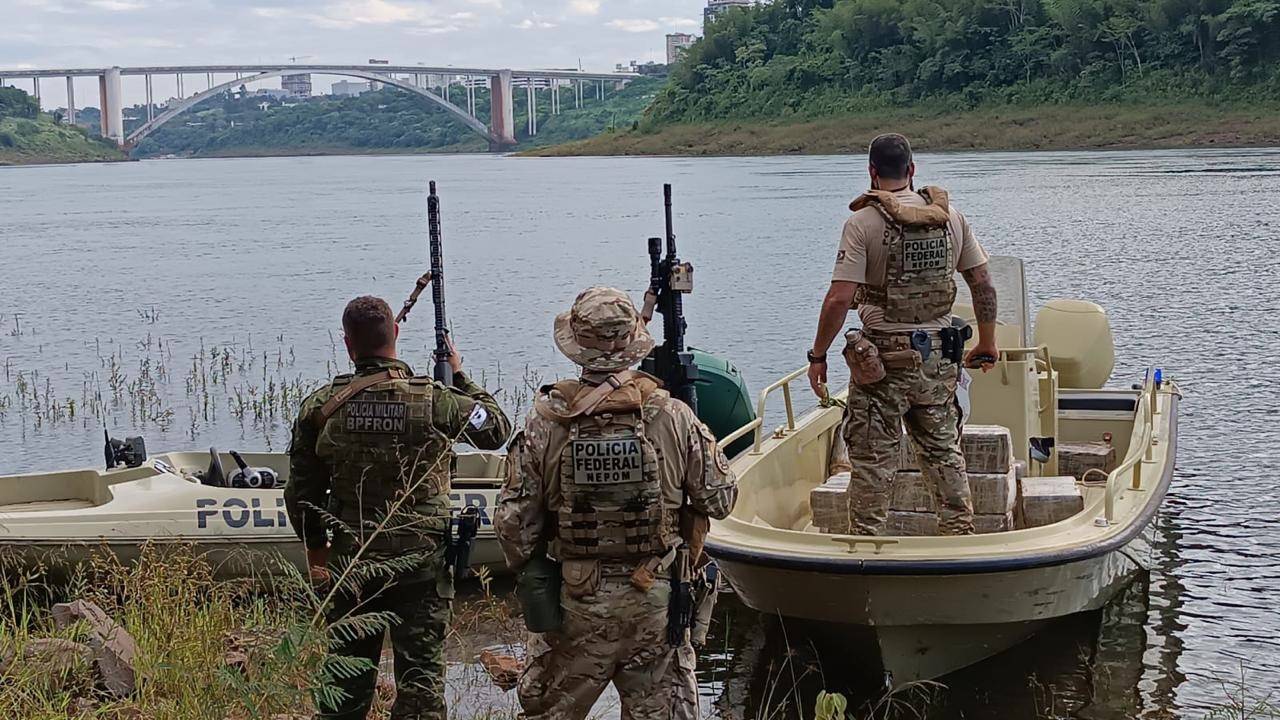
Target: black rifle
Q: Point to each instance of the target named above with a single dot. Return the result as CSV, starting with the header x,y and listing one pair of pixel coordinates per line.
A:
x,y
443,372
669,280
458,555
680,605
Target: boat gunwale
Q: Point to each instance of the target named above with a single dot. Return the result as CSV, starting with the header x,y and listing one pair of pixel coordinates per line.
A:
x,y
966,566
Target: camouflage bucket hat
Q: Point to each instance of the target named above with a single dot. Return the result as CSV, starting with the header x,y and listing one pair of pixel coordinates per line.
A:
x,y
603,331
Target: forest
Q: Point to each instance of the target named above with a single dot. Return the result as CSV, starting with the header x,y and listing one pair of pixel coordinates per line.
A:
x,y
811,58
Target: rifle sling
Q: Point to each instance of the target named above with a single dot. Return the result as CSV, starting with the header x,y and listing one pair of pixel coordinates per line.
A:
x,y
355,387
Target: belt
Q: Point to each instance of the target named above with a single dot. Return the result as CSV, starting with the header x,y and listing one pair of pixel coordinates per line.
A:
x,y
902,340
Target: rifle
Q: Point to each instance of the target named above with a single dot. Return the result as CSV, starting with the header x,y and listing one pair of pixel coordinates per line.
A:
x,y
669,280
458,554
441,371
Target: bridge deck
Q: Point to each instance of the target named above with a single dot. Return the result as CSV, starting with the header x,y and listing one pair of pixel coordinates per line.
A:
x,y
313,69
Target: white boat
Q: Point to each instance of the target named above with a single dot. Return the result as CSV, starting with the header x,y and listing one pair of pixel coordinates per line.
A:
x,y
61,517
920,607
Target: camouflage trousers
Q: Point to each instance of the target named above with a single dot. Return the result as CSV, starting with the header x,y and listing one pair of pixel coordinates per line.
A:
x,y
924,399
417,643
617,634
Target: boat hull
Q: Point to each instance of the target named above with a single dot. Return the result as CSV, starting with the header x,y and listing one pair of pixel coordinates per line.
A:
x,y
920,627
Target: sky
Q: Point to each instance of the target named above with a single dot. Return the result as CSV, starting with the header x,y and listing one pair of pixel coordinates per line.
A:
x,y
598,34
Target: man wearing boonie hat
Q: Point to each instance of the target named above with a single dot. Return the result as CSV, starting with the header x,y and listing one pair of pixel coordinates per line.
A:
x,y
597,480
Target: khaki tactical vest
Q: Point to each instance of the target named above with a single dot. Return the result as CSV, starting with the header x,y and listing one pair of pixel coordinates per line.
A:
x,y
381,446
920,284
610,503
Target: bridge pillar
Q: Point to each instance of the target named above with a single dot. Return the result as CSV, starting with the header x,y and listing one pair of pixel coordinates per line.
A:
x,y
71,100
502,117
111,101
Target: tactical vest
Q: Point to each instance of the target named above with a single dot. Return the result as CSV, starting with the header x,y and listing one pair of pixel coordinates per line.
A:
x,y
920,284
381,446
611,504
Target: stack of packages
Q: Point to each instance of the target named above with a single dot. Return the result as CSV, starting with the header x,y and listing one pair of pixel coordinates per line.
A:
x,y
1047,500
830,504
988,453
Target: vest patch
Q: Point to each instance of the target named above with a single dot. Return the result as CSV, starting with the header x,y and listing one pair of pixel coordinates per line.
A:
x,y
925,253
375,416
607,462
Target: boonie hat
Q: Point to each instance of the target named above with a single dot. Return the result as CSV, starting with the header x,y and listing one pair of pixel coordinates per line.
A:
x,y
603,331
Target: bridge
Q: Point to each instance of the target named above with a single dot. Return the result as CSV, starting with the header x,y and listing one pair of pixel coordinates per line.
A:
x,y
500,130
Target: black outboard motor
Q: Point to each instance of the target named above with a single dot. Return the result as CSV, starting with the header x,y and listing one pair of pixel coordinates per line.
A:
x,y
131,452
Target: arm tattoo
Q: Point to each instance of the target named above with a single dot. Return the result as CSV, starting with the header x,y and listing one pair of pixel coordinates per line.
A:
x,y
984,293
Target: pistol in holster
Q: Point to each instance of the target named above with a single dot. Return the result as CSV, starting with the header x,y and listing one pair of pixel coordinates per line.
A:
x,y
953,340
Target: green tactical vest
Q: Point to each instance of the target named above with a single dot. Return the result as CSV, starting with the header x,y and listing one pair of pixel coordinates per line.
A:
x,y
381,446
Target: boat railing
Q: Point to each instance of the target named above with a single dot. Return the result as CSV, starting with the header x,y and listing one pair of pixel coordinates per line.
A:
x,y
1139,452
757,425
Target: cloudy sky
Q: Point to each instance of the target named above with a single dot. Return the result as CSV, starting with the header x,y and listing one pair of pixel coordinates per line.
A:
x,y
477,33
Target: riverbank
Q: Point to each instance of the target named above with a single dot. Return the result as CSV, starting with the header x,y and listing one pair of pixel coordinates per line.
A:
x,y
42,141
1051,127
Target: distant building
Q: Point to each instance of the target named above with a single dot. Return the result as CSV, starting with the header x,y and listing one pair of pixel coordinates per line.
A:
x,y
297,85
646,68
346,88
715,8
273,93
677,44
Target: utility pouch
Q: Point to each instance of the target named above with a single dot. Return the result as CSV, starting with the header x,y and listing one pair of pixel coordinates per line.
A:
x,y
538,590
644,576
581,577
901,359
863,358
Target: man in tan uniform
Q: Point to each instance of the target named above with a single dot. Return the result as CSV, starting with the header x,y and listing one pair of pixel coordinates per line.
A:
x,y
610,475
897,261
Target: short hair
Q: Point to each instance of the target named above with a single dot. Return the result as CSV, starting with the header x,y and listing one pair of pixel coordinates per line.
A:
x,y
369,324
890,155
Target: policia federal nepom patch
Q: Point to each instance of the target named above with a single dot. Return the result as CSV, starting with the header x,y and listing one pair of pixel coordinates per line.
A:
x,y
607,462
375,416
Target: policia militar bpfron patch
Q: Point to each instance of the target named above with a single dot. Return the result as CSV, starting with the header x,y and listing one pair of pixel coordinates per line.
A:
x,y
607,462
376,416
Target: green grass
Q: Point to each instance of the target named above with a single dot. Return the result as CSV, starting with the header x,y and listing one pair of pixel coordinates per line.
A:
x,y
1005,127
38,141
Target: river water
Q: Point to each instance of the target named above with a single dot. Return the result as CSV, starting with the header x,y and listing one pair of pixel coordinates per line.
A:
x,y
194,300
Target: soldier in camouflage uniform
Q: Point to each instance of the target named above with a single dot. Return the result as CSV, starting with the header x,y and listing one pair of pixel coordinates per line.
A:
x,y
609,475
897,262
375,449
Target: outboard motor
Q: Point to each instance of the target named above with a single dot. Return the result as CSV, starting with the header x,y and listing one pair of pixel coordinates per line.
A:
x,y
131,452
252,478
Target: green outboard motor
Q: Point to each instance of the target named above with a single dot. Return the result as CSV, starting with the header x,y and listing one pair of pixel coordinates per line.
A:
x,y
711,386
724,403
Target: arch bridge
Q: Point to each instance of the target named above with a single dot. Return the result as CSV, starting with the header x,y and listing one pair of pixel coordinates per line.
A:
x,y
500,130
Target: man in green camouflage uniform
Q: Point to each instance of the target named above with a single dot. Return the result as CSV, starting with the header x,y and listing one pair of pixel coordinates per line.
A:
x,y
897,262
375,450
610,474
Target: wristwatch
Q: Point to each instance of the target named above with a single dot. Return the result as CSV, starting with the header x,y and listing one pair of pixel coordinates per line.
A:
x,y
815,358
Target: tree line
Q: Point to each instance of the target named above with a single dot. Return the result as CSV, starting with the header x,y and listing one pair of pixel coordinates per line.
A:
x,y
816,57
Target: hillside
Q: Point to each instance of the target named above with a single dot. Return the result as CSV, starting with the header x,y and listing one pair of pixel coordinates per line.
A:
x,y
30,137
384,121
826,75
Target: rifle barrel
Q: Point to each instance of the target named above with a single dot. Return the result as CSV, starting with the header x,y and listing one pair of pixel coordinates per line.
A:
x,y
442,371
